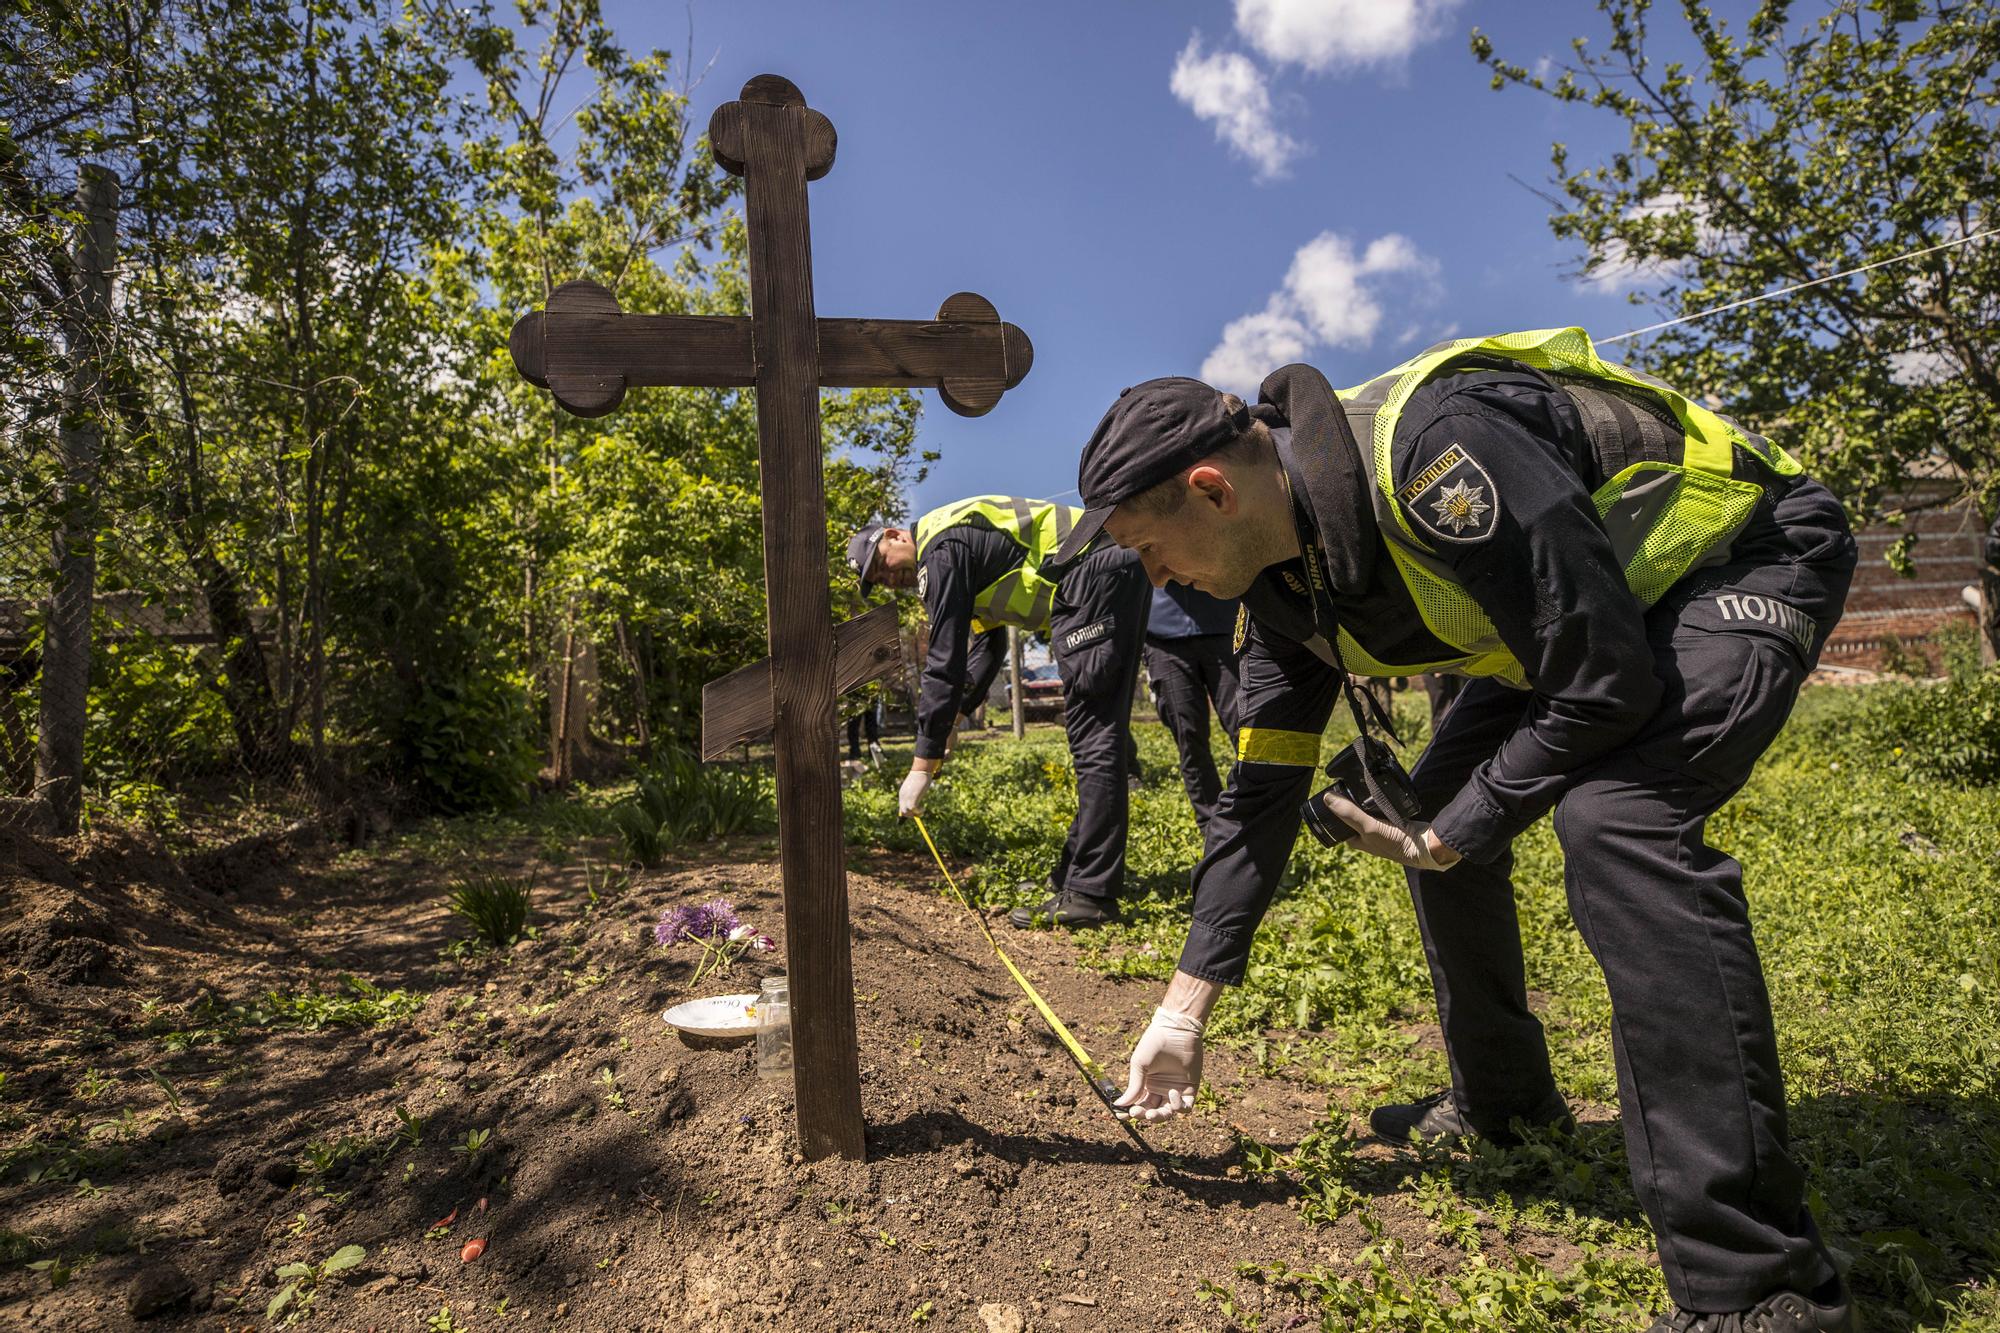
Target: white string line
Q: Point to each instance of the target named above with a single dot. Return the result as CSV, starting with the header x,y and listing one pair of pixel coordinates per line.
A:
x,y
1800,286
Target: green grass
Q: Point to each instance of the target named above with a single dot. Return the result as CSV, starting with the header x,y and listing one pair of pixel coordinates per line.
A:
x,y
355,1002
1872,887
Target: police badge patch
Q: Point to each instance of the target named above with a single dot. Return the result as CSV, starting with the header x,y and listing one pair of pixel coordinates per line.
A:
x,y
923,582
1453,499
1242,628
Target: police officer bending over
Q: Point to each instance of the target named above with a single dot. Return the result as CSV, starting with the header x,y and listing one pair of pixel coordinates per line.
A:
x,y
1637,587
978,565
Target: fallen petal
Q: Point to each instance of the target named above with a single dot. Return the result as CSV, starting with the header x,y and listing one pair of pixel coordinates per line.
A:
x,y
446,1220
473,1249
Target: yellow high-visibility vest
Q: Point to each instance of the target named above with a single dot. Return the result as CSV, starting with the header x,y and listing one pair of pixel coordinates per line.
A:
x,y
1022,597
1673,508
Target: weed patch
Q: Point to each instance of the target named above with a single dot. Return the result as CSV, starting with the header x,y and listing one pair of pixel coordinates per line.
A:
x,y
683,800
495,906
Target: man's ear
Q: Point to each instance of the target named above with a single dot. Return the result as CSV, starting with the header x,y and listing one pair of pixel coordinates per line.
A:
x,y
1211,485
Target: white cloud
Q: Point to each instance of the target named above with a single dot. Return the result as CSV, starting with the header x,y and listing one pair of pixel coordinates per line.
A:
x,y
1254,346
1921,367
1229,89
1331,297
1324,35
1613,270
1430,336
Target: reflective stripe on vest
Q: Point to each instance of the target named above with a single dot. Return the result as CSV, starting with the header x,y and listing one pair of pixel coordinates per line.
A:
x,y
1021,597
1672,508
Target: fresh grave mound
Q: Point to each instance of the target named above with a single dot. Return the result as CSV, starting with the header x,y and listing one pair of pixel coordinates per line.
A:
x,y
994,1180
627,1179
649,1183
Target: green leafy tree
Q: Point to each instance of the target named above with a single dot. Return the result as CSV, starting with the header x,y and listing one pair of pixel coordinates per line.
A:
x,y
321,444
641,531
1791,148
286,166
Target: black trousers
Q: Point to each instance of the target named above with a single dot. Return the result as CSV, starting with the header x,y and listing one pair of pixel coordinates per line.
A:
x,y
1664,914
869,720
1096,627
1185,676
983,664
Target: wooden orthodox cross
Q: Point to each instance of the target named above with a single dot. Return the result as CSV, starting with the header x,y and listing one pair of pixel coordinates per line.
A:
x,y
586,352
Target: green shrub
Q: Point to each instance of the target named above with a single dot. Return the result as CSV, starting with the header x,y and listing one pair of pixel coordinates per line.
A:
x,y
1948,730
153,711
684,800
468,742
495,905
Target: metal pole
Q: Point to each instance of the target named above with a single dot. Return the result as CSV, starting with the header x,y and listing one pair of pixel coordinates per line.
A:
x,y
1014,682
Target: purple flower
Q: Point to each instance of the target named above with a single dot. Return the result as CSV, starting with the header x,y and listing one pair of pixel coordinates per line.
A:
x,y
712,920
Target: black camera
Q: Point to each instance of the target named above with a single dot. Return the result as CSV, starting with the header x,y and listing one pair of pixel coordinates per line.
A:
x,y
1350,771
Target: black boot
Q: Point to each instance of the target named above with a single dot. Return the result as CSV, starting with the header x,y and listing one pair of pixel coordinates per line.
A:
x,y
1828,1310
1071,911
1436,1118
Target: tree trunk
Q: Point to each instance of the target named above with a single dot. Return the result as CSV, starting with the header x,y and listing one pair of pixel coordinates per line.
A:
x,y
247,689
641,699
65,694
1989,600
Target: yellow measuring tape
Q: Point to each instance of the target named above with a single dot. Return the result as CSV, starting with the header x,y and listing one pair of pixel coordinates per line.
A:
x,y
1090,1066
1103,1087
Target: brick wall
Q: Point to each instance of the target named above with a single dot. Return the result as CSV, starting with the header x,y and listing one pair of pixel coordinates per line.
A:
x,y
1882,605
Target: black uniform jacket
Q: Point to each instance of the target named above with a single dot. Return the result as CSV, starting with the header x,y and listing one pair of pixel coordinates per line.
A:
x,y
962,560
1493,468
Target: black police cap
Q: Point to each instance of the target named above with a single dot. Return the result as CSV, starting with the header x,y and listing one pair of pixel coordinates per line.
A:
x,y
1153,432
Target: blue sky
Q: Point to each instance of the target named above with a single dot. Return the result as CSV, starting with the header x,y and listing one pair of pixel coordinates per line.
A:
x,y
1160,189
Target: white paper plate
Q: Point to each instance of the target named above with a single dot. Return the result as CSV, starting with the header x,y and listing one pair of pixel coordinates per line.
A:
x,y
715,1016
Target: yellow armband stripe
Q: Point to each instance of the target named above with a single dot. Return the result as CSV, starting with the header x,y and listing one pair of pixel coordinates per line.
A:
x,y
1267,745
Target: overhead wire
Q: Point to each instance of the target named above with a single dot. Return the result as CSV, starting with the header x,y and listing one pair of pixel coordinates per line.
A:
x,y
1801,286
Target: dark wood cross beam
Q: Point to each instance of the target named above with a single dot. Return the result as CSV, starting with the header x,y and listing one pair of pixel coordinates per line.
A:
x,y
737,707
587,352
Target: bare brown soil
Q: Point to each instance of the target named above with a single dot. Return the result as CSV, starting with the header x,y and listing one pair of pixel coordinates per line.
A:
x,y
666,1193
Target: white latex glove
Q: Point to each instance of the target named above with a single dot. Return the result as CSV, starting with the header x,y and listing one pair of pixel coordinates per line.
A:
x,y
1166,1067
910,800
1419,849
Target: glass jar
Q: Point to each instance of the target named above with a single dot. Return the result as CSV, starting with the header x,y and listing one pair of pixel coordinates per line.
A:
x,y
774,1029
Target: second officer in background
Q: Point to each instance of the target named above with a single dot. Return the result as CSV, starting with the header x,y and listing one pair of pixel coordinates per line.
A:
x,y
978,564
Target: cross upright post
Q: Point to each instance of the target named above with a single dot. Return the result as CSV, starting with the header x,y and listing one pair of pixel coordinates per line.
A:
x,y
587,352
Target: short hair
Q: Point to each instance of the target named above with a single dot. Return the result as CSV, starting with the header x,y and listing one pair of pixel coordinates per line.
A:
x,y
1165,499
